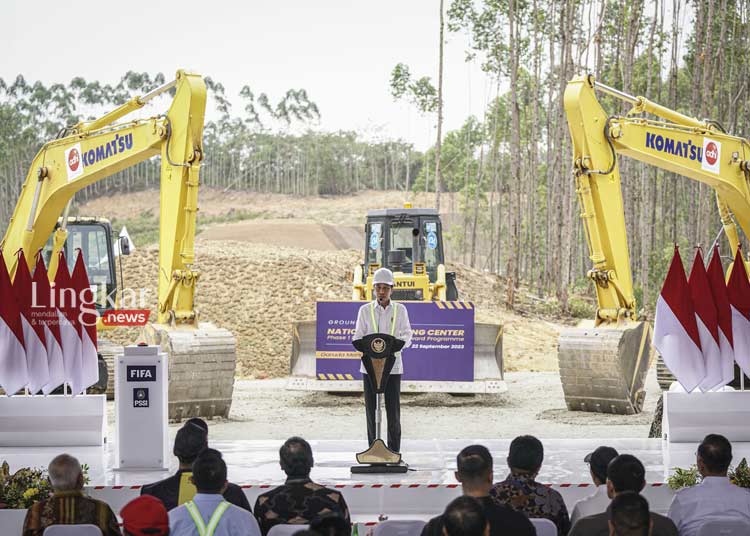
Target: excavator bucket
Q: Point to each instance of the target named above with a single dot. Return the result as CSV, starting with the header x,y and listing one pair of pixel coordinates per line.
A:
x,y
604,369
201,368
488,365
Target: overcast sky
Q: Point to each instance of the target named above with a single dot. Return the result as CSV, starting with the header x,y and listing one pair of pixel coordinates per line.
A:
x,y
341,52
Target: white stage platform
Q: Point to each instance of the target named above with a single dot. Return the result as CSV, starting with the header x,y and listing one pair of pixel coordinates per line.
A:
x,y
421,493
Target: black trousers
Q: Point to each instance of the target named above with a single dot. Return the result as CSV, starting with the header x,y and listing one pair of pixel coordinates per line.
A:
x,y
392,410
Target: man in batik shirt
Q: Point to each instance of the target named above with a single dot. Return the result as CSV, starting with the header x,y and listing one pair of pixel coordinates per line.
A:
x,y
523,493
68,505
300,500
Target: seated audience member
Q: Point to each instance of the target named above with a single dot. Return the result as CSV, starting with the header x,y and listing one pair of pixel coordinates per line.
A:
x,y
209,509
68,505
629,515
464,516
145,516
299,500
331,525
625,474
191,440
715,497
597,502
522,492
474,465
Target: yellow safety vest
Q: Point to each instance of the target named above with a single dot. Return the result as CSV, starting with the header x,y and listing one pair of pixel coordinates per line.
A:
x,y
393,318
203,529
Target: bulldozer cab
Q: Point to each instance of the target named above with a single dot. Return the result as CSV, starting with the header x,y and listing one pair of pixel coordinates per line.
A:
x,y
93,236
409,242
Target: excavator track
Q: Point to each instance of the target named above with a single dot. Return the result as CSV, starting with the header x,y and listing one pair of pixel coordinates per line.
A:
x,y
201,368
604,369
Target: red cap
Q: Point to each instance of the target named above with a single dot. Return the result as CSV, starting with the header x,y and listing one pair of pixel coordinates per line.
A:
x,y
145,512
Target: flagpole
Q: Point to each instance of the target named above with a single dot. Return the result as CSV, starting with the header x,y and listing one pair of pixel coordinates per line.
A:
x,y
716,240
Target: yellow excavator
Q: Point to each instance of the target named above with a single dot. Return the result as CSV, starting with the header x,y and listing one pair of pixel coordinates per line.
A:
x,y
201,356
603,364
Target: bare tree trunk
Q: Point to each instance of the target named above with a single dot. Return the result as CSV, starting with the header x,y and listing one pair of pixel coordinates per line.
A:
x,y
514,197
477,189
438,176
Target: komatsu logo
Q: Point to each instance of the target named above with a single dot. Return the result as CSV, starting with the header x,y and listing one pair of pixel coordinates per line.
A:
x,y
119,144
77,160
709,155
404,284
665,144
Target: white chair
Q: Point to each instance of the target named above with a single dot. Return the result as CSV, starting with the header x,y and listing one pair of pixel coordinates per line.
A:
x,y
286,530
399,528
544,527
72,530
719,527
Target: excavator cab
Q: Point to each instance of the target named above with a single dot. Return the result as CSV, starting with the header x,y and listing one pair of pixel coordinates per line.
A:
x,y
409,242
93,236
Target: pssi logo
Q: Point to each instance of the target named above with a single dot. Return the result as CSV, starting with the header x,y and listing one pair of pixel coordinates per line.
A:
x,y
73,162
711,155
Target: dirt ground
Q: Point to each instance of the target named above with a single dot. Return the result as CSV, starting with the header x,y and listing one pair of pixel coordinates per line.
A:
x,y
534,404
288,233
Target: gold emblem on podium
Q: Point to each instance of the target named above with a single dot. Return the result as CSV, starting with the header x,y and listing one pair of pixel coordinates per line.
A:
x,y
377,345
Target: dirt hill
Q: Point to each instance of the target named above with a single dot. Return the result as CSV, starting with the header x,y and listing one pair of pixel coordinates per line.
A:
x,y
261,275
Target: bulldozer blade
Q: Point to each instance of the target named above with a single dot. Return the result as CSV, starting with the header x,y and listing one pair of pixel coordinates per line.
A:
x,y
302,361
201,368
604,369
488,365
488,351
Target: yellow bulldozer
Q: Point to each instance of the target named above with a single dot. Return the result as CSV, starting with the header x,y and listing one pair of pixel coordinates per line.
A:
x,y
201,356
603,364
408,241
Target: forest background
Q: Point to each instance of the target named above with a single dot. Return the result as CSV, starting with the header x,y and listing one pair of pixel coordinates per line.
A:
x,y
513,208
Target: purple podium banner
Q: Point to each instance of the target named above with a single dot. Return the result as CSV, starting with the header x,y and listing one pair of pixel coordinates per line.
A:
x,y
442,345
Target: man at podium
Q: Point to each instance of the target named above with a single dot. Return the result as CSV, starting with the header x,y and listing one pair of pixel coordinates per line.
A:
x,y
384,316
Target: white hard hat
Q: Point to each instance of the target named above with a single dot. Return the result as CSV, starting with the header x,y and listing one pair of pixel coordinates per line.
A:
x,y
383,276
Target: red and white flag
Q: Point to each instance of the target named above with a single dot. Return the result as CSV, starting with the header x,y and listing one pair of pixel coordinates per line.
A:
x,y
13,372
87,317
37,364
44,313
738,289
676,335
708,323
724,315
70,329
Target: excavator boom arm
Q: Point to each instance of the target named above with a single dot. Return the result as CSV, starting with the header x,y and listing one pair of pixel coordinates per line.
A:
x,y
96,150
695,149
